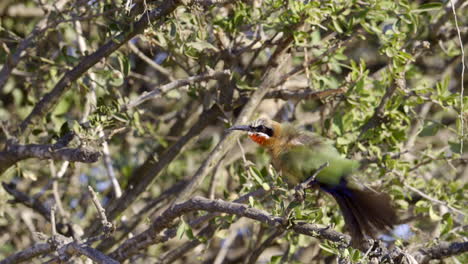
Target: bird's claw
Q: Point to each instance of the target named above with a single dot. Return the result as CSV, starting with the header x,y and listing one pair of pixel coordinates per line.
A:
x,y
288,220
299,192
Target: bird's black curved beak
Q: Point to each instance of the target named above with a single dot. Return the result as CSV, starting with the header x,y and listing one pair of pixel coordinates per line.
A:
x,y
241,127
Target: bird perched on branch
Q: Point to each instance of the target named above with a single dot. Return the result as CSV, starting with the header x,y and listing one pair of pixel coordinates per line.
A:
x,y
297,154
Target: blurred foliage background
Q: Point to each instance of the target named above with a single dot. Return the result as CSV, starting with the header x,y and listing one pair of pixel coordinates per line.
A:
x,y
383,79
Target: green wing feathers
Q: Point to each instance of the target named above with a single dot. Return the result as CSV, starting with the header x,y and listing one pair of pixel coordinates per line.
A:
x,y
299,162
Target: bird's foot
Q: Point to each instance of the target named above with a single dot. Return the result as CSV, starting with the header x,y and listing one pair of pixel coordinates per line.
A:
x,y
288,219
300,192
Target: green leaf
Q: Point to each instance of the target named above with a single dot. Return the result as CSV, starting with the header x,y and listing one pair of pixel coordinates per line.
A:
x,y
251,201
433,215
256,175
447,223
276,259
336,26
181,230
428,7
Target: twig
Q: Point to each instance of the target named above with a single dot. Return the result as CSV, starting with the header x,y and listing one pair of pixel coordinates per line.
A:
x,y
227,242
55,189
28,201
107,226
180,251
258,251
133,221
150,62
174,85
213,181
434,199
52,219
462,78
304,94
378,115
108,164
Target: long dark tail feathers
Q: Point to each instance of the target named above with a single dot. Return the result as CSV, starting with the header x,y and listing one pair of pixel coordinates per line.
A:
x,y
366,212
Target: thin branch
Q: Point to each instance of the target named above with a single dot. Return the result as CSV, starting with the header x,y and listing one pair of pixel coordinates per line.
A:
x,y
108,227
379,111
434,200
227,242
210,75
52,220
133,221
26,200
304,94
160,69
462,78
180,251
108,164
262,247
55,190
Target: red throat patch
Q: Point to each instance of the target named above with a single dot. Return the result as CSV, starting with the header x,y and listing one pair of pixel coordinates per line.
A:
x,y
258,138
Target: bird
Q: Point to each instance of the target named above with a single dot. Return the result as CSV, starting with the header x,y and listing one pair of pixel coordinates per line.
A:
x,y
297,154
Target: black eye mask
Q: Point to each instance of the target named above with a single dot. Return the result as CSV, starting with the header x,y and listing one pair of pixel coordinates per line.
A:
x,y
263,129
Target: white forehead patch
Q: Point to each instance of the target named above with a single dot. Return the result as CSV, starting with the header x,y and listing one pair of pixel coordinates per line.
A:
x,y
259,122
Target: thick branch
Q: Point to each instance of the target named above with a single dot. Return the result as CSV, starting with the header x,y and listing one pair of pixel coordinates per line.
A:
x,y
441,251
27,254
218,206
206,232
16,152
95,255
